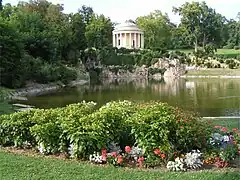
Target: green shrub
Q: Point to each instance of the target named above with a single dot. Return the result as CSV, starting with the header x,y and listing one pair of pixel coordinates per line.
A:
x,y
86,129
96,130
15,129
54,72
53,126
229,46
158,125
236,47
153,71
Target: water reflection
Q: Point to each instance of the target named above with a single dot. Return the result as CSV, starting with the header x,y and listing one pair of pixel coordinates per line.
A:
x,y
209,97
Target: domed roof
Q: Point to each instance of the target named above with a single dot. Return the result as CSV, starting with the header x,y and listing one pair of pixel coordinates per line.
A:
x,y
127,26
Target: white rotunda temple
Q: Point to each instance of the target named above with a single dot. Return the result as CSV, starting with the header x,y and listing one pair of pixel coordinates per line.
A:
x,y
128,35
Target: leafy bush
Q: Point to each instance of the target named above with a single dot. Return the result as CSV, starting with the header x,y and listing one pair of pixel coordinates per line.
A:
x,y
95,130
157,125
81,129
15,129
54,72
229,46
236,47
153,71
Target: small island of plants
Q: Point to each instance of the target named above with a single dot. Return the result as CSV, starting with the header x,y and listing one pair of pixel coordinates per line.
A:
x,y
123,134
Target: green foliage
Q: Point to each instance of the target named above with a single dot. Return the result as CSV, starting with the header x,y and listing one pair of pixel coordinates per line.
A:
x,y
157,125
11,49
87,129
157,29
153,71
236,47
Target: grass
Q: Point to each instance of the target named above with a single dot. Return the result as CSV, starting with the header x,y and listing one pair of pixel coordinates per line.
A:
x,y
5,108
219,51
229,123
214,72
15,166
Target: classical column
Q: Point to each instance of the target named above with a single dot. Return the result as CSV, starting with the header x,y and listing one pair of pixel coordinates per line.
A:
x,y
117,40
130,39
121,40
139,36
135,40
125,36
113,41
142,39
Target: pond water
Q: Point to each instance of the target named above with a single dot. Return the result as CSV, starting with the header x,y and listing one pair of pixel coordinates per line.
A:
x,y
210,97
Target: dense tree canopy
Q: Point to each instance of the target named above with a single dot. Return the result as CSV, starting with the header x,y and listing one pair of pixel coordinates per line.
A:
x,y
38,40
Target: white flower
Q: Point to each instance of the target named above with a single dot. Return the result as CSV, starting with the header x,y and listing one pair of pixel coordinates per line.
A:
x,y
226,138
95,157
193,159
41,148
71,150
178,165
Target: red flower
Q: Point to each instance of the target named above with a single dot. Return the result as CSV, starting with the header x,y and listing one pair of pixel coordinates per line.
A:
x,y
234,129
114,154
104,157
224,129
140,159
157,151
218,127
163,156
217,158
127,149
120,159
104,152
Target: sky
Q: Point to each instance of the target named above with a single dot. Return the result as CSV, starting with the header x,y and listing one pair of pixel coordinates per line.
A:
x,y
121,10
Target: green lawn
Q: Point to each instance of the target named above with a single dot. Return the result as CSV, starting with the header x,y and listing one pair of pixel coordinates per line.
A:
x,y
226,122
219,51
19,167
214,72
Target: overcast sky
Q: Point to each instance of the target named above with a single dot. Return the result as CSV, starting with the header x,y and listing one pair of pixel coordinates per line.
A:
x,y
121,10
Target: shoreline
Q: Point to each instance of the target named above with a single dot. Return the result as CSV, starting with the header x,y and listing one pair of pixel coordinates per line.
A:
x,y
210,76
41,89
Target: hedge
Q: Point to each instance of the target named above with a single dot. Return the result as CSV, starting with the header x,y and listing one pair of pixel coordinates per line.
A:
x,y
86,129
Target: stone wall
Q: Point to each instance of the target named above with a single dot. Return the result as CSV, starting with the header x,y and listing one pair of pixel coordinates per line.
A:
x,y
173,69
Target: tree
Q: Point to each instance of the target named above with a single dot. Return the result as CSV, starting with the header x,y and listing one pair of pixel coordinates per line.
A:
x,y
99,31
87,13
201,23
157,29
1,6
11,49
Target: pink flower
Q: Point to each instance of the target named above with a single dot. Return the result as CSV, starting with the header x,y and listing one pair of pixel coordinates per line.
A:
x,y
224,129
120,159
234,129
163,156
140,159
114,154
218,127
104,152
157,151
127,149
104,158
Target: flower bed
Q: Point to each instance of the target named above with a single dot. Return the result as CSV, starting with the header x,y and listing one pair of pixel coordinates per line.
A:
x,y
123,134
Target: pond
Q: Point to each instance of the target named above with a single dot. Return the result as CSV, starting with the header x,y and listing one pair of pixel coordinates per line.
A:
x,y
210,97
